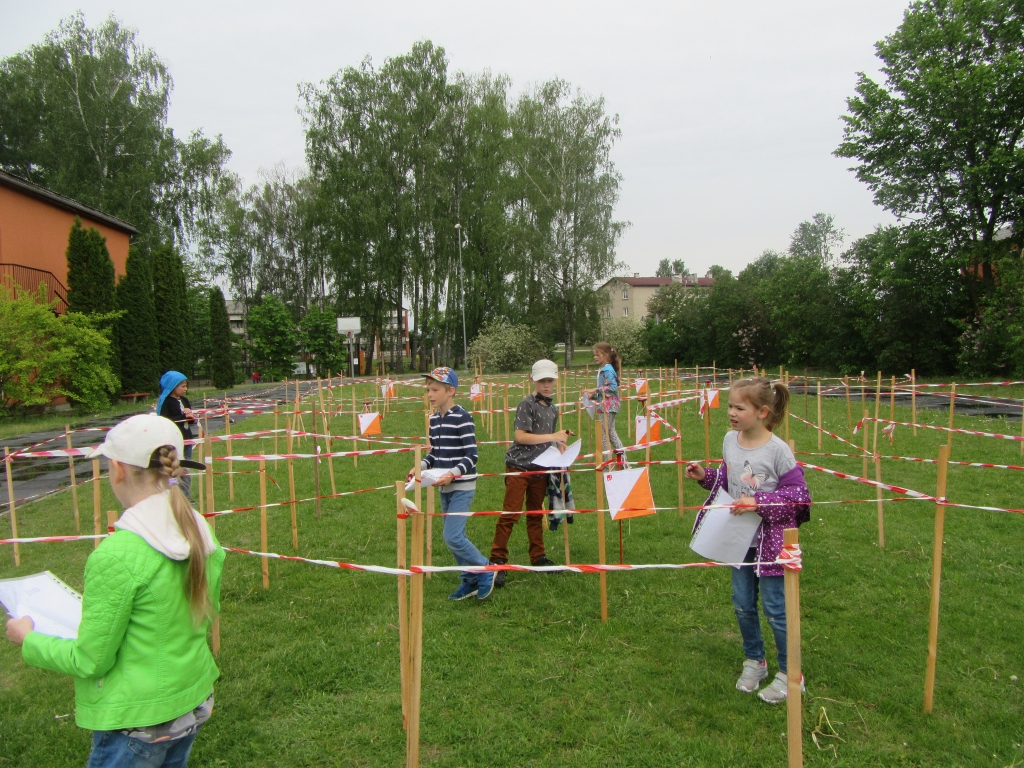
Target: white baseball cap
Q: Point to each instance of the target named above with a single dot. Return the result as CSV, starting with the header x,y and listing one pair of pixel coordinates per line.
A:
x,y
134,441
544,369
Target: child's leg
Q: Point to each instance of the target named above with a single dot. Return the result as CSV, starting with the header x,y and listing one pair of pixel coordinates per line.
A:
x,y
616,441
744,601
773,601
515,492
536,492
461,547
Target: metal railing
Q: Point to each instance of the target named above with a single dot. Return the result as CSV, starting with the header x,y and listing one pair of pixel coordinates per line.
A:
x,y
30,278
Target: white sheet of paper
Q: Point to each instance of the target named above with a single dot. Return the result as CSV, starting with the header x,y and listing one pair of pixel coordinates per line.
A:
x,y
427,478
553,459
723,536
589,406
55,608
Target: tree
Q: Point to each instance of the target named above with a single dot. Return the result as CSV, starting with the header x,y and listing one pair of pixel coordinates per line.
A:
x,y
626,335
221,362
272,337
318,332
171,306
137,327
668,268
90,271
818,238
503,347
942,140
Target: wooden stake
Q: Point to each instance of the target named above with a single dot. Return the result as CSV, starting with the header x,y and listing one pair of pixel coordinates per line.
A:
x,y
507,438
794,696
707,429
277,407
878,490
933,609
227,446
892,398
428,524
412,743
210,504
355,428
818,395
849,412
291,495
264,546
601,556
199,458
1022,427
679,453
74,485
913,400
97,489
647,451
10,501
403,605
952,410
785,379
864,432
325,414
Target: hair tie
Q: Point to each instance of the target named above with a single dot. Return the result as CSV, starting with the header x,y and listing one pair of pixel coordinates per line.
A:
x,y
173,481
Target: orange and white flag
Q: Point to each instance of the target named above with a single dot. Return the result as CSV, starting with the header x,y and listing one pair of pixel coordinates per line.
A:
x,y
629,493
387,389
640,385
369,423
641,429
708,398
476,393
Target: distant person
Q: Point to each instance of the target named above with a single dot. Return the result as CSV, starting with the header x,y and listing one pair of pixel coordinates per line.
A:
x,y
257,377
760,472
174,405
143,671
453,447
536,418
606,395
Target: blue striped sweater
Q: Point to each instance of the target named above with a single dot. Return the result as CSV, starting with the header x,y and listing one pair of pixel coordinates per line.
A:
x,y
453,447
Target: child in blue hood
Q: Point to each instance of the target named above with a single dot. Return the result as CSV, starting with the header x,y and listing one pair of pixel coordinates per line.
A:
x,y
172,404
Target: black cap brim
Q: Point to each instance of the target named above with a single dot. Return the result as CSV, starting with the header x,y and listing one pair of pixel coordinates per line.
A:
x,y
191,464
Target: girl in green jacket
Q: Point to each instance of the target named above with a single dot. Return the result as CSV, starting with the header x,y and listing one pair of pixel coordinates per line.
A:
x,y
143,670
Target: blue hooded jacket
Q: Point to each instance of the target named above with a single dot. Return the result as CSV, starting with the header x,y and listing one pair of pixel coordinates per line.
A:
x,y
168,382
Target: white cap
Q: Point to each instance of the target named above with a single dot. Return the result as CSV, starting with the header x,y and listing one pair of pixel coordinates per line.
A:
x,y
544,369
134,441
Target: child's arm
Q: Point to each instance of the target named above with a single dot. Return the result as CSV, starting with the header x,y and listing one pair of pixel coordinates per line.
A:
x,y
467,464
529,438
706,478
787,501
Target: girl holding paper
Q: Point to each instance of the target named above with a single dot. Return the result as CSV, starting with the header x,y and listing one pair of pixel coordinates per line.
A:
x,y
607,395
759,470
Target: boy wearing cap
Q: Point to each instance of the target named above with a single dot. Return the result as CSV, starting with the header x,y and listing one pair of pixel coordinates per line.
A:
x,y
453,447
536,418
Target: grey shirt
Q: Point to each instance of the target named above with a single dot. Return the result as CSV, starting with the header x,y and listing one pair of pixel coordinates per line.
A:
x,y
755,469
536,414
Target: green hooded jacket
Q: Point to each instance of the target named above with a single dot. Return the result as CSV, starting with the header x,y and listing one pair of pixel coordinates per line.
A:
x,y
139,659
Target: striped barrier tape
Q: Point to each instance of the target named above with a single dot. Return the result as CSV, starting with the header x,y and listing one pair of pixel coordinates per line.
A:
x,y
1018,438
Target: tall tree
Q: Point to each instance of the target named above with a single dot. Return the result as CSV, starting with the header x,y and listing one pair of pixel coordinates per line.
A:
x,y
272,337
137,327
222,366
90,271
818,239
942,139
171,304
668,268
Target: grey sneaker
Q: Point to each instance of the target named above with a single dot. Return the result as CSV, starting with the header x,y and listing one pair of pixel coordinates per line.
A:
x,y
776,692
753,673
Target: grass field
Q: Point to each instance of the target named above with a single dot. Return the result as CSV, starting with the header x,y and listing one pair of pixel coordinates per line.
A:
x,y
531,677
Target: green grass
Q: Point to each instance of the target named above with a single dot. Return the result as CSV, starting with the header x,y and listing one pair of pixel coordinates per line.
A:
x,y
532,677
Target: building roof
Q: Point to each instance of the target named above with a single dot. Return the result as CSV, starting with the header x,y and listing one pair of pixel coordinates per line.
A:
x,y
42,193
657,282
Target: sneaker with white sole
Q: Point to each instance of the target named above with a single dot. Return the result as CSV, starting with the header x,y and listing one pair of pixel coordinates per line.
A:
x,y
753,673
777,691
484,586
465,590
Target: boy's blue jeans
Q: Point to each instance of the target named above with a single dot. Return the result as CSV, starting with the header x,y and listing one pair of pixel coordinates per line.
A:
x,y
114,749
462,548
745,588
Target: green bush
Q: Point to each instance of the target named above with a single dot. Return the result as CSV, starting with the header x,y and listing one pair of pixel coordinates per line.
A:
x,y
503,347
626,335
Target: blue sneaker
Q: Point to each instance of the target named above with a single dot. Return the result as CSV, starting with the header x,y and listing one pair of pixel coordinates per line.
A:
x,y
465,590
484,586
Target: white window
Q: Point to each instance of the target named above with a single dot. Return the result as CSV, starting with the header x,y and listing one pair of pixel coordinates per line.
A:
x,y
625,311
643,318
625,293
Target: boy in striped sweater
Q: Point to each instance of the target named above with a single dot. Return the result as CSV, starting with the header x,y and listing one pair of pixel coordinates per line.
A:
x,y
453,447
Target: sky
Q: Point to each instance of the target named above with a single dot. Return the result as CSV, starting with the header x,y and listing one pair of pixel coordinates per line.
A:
x,y
729,111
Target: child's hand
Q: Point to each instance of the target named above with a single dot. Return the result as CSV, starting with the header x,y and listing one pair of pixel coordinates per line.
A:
x,y
18,628
743,505
561,436
695,471
411,476
444,479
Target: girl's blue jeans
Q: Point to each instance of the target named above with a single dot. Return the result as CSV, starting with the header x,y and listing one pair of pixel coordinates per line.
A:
x,y
462,549
114,749
746,585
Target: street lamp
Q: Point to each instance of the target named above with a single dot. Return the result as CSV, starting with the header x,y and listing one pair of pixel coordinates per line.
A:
x,y
462,278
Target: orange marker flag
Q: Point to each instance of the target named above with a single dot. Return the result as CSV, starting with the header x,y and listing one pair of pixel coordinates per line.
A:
x,y
369,424
641,386
641,429
709,398
629,493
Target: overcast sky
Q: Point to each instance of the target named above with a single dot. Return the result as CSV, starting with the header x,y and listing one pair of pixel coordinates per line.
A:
x,y
729,110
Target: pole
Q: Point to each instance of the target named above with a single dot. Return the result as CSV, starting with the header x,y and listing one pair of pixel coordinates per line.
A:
x,y
601,556
707,427
74,486
913,401
892,398
933,609
794,695
10,501
227,446
785,379
403,604
818,394
264,562
97,489
355,428
412,743
462,277
327,442
952,410
291,494
849,413
878,491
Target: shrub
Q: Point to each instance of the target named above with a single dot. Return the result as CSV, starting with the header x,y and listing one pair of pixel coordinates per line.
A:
x,y
222,367
504,348
626,335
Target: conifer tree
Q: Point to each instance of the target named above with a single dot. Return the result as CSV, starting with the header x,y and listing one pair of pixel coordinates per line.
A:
x,y
222,369
137,328
171,305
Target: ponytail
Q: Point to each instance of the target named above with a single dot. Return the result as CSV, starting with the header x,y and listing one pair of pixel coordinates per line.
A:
x,y
195,584
761,392
613,356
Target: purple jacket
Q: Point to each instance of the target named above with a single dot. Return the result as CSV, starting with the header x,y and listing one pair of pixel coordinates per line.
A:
x,y
787,506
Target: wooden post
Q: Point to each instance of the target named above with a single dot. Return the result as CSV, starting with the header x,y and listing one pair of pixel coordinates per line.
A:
x,y
264,562
1022,427
679,452
878,490
933,610
412,744
507,438
818,393
794,695
647,412
355,428
913,400
601,556
316,474
10,501
74,485
327,442
277,408
227,446
707,427
210,504
579,417
785,379
403,605
629,418
892,398
952,410
428,524
849,412
291,494
97,489
199,458
864,432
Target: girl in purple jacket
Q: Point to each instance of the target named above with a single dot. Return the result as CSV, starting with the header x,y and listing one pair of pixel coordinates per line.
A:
x,y
760,472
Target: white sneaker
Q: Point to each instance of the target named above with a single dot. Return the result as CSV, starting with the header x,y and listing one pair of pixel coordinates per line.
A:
x,y
776,692
753,673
